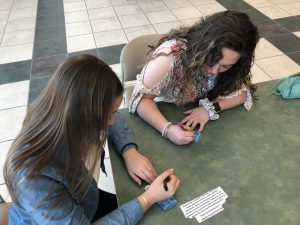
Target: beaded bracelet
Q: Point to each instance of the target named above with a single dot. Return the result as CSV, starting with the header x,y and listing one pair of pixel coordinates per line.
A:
x,y
165,130
208,106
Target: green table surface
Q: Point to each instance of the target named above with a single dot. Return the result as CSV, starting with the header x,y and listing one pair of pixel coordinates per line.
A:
x,y
254,156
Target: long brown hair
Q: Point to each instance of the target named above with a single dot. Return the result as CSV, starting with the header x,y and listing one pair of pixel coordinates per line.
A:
x,y
71,112
206,38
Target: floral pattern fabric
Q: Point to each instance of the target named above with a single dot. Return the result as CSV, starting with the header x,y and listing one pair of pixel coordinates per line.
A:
x,y
167,90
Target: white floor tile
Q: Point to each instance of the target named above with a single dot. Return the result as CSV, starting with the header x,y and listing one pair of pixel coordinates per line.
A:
x,y
122,2
202,2
101,13
4,193
16,53
17,38
21,4
4,15
23,13
80,43
274,12
77,16
265,49
6,4
11,122
292,8
116,68
4,147
278,66
189,22
106,183
258,75
20,24
163,28
108,38
14,94
73,29
105,24
134,20
210,8
161,16
93,4
173,4
187,13
124,10
134,32
74,6
153,6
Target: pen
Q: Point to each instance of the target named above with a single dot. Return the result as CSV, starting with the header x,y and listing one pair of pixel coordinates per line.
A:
x,y
166,180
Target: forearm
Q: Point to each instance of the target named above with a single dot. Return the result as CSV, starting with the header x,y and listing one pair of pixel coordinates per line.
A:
x,y
232,102
148,111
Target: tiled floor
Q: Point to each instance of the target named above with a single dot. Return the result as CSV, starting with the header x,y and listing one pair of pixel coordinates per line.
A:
x,y
35,36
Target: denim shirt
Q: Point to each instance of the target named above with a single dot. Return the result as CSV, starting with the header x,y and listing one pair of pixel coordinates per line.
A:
x,y
34,208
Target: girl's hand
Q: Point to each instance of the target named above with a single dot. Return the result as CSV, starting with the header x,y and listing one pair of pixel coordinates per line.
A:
x,y
156,191
139,167
195,116
179,136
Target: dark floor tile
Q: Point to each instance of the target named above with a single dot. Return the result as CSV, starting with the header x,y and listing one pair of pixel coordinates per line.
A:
x,y
50,7
291,23
49,48
295,56
45,67
287,43
36,87
50,21
14,72
270,28
255,15
111,54
89,52
235,5
49,33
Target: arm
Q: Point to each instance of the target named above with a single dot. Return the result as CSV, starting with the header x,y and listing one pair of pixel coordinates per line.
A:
x,y
200,116
138,166
147,109
37,196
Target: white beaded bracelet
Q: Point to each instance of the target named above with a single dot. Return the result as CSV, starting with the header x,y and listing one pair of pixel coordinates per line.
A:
x,y
208,106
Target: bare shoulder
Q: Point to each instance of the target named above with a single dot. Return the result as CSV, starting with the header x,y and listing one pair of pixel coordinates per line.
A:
x,y
157,68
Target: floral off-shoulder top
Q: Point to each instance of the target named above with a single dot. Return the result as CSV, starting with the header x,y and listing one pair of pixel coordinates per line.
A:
x,y
167,90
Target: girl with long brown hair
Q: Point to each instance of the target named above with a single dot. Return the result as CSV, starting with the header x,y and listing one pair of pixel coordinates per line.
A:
x,y
64,131
209,61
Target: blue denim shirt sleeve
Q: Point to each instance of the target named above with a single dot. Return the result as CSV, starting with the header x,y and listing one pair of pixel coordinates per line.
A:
x,y
35,208
120,135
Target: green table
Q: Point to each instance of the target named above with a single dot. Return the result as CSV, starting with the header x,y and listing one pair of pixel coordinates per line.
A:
x,y
254,156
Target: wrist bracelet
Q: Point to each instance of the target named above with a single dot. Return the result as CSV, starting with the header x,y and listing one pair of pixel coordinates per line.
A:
x,y
208,106
165,130
145,201
217,107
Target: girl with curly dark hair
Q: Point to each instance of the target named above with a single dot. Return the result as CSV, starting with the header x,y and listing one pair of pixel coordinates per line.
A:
x,y
209,62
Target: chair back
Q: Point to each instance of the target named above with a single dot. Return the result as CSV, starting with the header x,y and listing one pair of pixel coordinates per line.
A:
x,y
132,58
4,207
134,55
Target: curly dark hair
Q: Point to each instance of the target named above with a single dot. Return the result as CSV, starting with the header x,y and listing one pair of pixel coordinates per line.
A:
x,y
205,40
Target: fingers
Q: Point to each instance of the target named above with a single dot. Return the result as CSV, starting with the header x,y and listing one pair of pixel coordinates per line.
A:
x,y
188,111
135,178
167,173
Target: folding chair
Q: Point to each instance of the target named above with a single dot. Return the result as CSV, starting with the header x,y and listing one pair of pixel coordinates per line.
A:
x,y
133,56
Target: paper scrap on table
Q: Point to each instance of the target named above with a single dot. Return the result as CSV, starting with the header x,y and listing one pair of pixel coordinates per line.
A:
x,y
206,205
